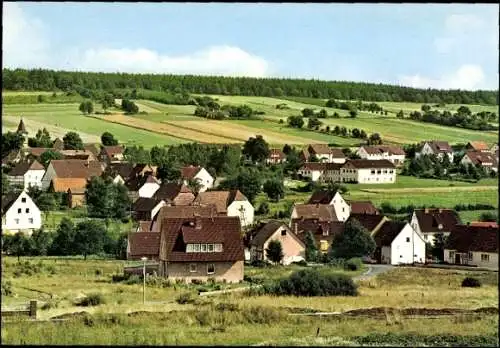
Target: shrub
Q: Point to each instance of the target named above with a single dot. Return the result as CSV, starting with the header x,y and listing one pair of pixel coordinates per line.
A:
x,y
7,288
259,263
98,272
52,303
353,264
133,279
253,280
93,299
116,278
226,307
470,282
185,298
197,281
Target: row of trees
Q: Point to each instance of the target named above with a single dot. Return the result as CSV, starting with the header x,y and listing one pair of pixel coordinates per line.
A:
x,y
353,107
86,83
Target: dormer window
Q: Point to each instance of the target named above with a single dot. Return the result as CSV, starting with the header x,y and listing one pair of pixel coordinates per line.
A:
x,y
204,248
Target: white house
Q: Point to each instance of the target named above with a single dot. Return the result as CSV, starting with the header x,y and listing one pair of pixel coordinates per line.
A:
x,y
324,153
317,171
276,156
200,174
473,246
398,243
364,171
145,209
20,214
26,174
431,222
484,159
341,207
228,203
438,148
394,154
149,188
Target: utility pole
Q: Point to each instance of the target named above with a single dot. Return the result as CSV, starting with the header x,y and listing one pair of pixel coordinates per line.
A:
x,y
144,259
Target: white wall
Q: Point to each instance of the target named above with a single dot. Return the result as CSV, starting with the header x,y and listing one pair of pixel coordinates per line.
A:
x,y
148,189
477,259
406,245
234,210
33,178
314,175
15,221
205,179
369,176
342,209
157,209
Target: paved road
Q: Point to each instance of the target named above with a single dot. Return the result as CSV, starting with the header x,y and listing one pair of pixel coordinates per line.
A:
x,y
373,270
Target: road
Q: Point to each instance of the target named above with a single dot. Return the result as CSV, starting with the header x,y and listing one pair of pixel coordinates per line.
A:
x,y
372,271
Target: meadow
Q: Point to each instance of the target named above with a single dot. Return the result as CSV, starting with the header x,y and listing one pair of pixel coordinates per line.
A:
x,y
239,318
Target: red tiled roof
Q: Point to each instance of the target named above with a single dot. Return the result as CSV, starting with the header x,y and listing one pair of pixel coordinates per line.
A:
x,y
321,197
173,192
76,168
368,221
22,167
322,212
317,228
377,149
221,229
363,207
276,154
221,199
440,146
38,151
143,204
465,238
113,150
484,224
182,211
478,145
321,166
145,226
483,158
265,231
144,244
189,172
389,230
429,221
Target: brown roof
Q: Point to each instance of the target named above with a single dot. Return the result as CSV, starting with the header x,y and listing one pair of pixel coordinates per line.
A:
x,y
22,167
323,212
64,184
323,149
377,149
389,230
7,201
276,154
76,168
321,197
189,172
172,191
482,158
177,232
113,150
144,244
366,163
221,199
123,169
265,231
363,207
38,151
317,228
484,224
478,145
321,166
465,238
182,211
143,204
368,221
429,221
440,146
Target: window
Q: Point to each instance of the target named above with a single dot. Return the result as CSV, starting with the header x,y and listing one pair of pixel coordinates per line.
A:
x,y
27,210
210,248
23,199
19,211
485,258
192,267
196,248
451,254
203,248
373,172
189,248
391,171
408,239
17,221
379,171
30,220
385,171
323,245
469,255
283,232
218,247
210,268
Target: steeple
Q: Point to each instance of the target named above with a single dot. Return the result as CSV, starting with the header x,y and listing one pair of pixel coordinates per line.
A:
x,y
21,128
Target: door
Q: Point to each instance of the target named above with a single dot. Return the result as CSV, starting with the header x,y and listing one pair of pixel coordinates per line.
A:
x,y
378,255
458,259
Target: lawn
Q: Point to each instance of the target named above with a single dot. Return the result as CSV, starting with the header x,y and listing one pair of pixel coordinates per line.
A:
x,y
474,215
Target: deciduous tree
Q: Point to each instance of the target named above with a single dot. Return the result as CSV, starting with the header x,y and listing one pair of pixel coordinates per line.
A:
x,y
274,251
354,241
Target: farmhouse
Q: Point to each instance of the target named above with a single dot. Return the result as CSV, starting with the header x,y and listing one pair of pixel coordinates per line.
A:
x,y
477,146
276,156
315,171
201,248
432,222
174,194
229,203
74,187
111,154
331,197
341,208
293,247
434,147
145,209
473,246
182,211
323,231
20,214
364,171
398,243
321,212
324,154
26,174
71,169
480,158
199,174
394,154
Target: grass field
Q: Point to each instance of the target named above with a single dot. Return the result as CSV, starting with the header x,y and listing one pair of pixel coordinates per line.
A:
x,y
255,320
474,215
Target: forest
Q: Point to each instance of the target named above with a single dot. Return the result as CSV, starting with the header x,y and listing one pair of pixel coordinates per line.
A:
x,y
82,82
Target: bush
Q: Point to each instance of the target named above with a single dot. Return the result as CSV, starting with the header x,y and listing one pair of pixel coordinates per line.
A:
x,y
94,299
7,288
116,278
259,263
134,279
353,264
470,282
197,281
310,282
185,298
50,304
253,280
159,282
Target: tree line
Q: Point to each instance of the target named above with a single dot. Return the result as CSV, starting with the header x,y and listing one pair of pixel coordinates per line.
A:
x,y
50,80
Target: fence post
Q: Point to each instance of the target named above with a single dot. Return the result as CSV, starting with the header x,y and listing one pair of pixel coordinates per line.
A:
x,y
33,309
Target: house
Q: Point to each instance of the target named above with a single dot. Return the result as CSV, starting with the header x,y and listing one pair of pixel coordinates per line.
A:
x,y
181,211
431,222
477,146
293,248
395,154
112,154
199,174
322,212
324,153
174,194
143,245
71,169
229,203
434,147
20,214
371,222
317,171
472,246
36,152
145,209
201,248
74,187
365,171
276,156
119,172
148,186
333,198
480,158
363,207
26,174
398,243
323,231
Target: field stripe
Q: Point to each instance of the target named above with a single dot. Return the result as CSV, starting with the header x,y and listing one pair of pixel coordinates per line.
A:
x,y
432,189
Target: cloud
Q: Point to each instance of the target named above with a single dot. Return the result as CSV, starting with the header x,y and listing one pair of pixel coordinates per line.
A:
x,y
26,44
467,77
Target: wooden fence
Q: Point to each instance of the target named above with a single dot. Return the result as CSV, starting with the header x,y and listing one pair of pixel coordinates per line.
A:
x,y
28,310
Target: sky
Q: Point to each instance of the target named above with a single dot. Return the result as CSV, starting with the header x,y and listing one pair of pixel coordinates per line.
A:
x,y
445,46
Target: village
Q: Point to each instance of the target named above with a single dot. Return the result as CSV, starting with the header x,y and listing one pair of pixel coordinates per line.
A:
x,y
196,232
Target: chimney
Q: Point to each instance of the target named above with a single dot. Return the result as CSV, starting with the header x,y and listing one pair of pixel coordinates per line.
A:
x,y
440,210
